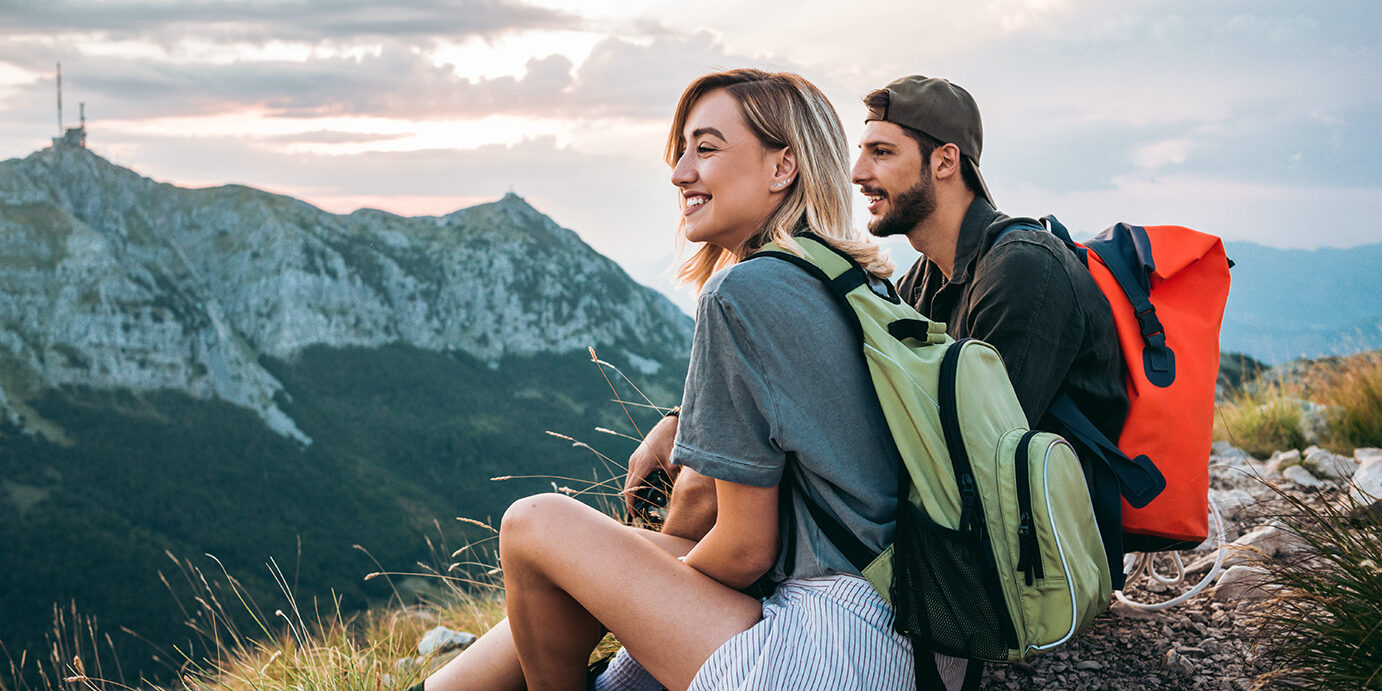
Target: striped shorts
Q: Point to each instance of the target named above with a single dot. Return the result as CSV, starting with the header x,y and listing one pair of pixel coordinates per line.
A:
x,y
833,632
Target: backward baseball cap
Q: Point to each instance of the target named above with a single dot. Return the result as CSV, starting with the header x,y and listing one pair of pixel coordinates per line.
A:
x,y
942,111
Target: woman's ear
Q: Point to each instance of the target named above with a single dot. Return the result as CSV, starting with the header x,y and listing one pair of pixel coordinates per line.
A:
x,y
784,169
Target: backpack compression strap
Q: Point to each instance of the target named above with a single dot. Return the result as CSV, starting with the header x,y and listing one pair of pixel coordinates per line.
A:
x,y
1127,253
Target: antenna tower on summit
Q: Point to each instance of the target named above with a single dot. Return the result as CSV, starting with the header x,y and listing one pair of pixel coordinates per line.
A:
x,y
74,136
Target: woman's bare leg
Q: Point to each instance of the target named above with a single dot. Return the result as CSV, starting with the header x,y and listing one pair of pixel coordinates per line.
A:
x,y
489,663
569,568
492,661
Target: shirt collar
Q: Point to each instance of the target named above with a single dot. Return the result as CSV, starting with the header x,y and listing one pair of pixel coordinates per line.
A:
x,y
979,217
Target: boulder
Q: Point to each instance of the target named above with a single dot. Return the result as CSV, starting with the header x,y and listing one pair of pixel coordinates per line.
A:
x,y
1366,490
1231,502
1282,460
1236,471
1177,663
1366,453
1262,542
1223,450
1242,583
1123,610
443,640
1301,477
1267,540
1330,466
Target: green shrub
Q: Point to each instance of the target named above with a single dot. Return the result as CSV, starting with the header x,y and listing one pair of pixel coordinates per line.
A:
x,y
1324,630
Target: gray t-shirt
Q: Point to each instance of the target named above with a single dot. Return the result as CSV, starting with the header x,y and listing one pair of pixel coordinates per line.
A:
x,y
775,368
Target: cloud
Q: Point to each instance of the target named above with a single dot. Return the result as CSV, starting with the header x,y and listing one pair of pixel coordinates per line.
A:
x,y
620,78
1162,153
395,82
331,137
644,80
259,21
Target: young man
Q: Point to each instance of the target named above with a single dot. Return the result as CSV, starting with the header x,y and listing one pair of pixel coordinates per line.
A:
x,y
1023,293
988,276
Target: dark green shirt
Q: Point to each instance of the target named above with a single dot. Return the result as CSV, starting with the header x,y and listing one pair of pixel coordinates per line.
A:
x,y
1031,298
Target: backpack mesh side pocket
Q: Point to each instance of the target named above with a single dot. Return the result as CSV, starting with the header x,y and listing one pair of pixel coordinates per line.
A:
x,y
945,590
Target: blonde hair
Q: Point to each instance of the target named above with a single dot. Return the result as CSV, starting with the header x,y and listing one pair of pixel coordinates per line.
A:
x,y
784,110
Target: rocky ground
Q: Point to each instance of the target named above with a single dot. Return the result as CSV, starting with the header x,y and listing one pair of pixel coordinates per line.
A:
x,y
1206,642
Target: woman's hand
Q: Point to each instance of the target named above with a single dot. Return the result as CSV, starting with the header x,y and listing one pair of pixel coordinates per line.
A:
x,y
654,453
743,544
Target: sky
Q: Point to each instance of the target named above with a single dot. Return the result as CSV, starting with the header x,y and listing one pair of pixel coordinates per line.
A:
x,y
1257,120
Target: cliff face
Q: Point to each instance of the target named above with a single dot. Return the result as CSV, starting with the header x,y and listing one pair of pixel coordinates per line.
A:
x,y
111,280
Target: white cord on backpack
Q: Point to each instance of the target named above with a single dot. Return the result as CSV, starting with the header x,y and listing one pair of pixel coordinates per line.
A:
x,y
1134,564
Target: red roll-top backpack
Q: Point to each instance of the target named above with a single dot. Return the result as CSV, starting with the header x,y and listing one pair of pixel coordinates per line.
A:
x,y
1167,286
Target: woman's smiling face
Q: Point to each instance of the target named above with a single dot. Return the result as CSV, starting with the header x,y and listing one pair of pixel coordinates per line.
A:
x,y
725,174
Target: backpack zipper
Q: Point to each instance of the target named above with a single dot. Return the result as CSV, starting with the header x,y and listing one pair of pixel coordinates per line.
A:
x,y
1060,548
1029,551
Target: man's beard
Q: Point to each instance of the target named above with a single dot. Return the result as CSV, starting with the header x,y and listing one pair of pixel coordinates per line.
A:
x,y
907,210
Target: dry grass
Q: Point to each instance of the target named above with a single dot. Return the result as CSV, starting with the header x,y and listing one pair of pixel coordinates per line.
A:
x,y
1353,386
74,645
1260,423
1267,417
298,647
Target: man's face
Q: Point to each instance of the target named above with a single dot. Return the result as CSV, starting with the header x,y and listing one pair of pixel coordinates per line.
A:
x,y
892,175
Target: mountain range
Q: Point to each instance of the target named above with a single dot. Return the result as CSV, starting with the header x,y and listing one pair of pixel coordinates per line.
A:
x,y
1289,303
234,373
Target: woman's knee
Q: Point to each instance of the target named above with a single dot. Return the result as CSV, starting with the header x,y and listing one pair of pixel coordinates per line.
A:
x,y
532,519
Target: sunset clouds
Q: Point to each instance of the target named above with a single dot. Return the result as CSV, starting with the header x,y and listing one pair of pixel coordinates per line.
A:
x,y
1258,121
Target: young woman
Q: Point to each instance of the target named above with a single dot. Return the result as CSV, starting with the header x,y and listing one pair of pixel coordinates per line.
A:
x,y
778,402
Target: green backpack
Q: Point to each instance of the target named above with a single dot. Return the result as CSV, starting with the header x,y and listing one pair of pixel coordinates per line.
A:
x,y
997,556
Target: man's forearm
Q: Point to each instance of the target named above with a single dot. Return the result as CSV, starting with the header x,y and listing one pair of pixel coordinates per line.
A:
x,y
692,508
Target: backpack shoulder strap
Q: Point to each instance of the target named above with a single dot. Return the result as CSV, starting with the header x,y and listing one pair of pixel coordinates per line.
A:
x,y
971,508
841,275
858,554
1049,224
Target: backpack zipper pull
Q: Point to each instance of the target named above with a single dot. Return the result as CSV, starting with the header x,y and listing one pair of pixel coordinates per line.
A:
x,y
1026,537
967,494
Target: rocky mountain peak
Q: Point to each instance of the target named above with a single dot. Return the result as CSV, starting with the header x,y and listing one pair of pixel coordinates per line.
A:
x,y
111,280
